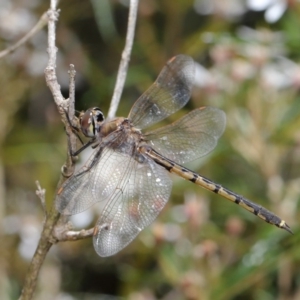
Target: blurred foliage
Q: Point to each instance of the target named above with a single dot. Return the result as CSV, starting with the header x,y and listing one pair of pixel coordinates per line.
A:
x,y
200,247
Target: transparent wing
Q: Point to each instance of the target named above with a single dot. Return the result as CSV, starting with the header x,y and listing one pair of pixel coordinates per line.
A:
x,y
95,181
134,205
192,136
170,92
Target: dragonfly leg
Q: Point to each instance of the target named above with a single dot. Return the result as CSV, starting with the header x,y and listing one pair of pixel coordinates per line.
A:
x,y
93,162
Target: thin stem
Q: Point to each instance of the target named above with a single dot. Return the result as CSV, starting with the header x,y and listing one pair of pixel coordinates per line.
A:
x,y
69,167
44,245
38,26
50,72
72,73
122,72
46,240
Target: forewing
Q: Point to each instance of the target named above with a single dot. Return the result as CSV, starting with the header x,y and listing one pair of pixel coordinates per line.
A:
x,y
192,136
170,92
134,205
95,181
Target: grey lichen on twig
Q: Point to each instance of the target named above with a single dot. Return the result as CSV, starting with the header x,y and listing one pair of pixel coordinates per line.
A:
x,y
62,233
41,193
50,71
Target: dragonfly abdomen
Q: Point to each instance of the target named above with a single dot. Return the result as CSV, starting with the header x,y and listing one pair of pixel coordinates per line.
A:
x,y
187,174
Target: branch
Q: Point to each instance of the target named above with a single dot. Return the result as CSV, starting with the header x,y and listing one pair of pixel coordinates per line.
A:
x,y
68,235
51,231
50,72
68,168
122,72
38,26
46,240
64,105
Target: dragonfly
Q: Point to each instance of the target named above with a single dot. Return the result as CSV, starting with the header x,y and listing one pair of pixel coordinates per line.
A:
x,y
128,169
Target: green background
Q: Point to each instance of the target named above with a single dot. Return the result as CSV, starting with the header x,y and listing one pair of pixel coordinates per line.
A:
x,y
200,247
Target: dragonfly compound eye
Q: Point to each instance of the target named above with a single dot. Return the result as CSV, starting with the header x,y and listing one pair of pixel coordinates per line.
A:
x,y
98,114
87,123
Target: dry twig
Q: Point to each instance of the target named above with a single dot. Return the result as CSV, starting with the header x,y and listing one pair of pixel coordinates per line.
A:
x,y
46,240
122,72
52,232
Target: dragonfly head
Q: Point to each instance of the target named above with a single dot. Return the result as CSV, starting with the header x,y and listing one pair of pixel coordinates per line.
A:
x,y
91,121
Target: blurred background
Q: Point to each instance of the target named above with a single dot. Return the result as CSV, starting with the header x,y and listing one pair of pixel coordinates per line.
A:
x,y
200,247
